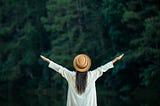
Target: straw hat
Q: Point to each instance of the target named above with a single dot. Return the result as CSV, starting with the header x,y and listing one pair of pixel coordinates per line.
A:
x,y
82,63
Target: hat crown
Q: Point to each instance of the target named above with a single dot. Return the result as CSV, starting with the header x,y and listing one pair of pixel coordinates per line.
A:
x,y
81,61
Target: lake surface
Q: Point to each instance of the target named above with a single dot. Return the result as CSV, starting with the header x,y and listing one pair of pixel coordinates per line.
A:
x,y
59,99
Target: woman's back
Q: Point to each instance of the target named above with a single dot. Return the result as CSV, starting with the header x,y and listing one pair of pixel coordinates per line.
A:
x,y
87,98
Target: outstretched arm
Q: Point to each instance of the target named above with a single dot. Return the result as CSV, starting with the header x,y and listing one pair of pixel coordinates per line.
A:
x,y
117,58
52,64
60,69
99,71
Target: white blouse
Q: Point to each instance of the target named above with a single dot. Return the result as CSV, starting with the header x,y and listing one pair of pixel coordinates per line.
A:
x,y
87,98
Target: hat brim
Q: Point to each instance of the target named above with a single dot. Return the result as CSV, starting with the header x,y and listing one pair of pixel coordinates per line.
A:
x,y
82,69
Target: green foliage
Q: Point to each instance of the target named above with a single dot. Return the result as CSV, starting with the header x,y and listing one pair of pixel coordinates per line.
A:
x,y
137,24
128,15
72,30
20,39
61,29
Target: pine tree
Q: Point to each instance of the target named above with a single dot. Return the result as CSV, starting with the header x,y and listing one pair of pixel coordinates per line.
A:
x,y
20,40
72,30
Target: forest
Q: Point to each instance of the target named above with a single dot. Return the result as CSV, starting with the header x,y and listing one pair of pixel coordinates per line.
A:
x,y
61,29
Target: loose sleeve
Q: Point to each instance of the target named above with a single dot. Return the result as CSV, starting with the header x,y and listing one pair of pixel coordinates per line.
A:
x,y
60,69
99,71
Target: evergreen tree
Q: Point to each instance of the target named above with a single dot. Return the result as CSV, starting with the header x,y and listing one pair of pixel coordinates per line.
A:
x,y
61,29
131,26
21,38
72,30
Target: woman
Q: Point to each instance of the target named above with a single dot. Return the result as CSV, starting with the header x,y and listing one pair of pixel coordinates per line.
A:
x,y
81,83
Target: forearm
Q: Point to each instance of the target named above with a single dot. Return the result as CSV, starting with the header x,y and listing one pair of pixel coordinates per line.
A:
x,y
51,64
48,61
54,65
107,66
114,60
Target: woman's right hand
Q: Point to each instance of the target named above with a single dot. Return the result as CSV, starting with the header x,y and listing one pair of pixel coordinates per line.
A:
x,y
119,57
45,59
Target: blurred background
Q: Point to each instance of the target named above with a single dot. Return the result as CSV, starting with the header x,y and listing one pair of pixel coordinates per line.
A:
x,y
61,29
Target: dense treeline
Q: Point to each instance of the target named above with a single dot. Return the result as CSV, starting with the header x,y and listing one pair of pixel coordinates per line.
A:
x,y
61,29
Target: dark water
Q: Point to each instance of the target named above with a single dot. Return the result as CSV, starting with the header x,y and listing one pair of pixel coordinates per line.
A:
x,y
59,99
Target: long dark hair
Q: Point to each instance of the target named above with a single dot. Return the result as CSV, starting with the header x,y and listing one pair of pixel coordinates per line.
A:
x,y
81,81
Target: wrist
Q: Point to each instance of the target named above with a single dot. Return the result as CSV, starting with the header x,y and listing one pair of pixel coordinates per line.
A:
x,y
117,59
48,60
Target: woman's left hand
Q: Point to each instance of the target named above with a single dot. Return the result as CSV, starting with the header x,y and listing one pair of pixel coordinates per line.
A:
x,y
117,58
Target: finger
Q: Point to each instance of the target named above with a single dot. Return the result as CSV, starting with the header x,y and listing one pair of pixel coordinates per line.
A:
x,y
121,56
41,56
44,58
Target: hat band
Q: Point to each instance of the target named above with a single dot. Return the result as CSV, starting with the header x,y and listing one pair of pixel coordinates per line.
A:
x,y
82,67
